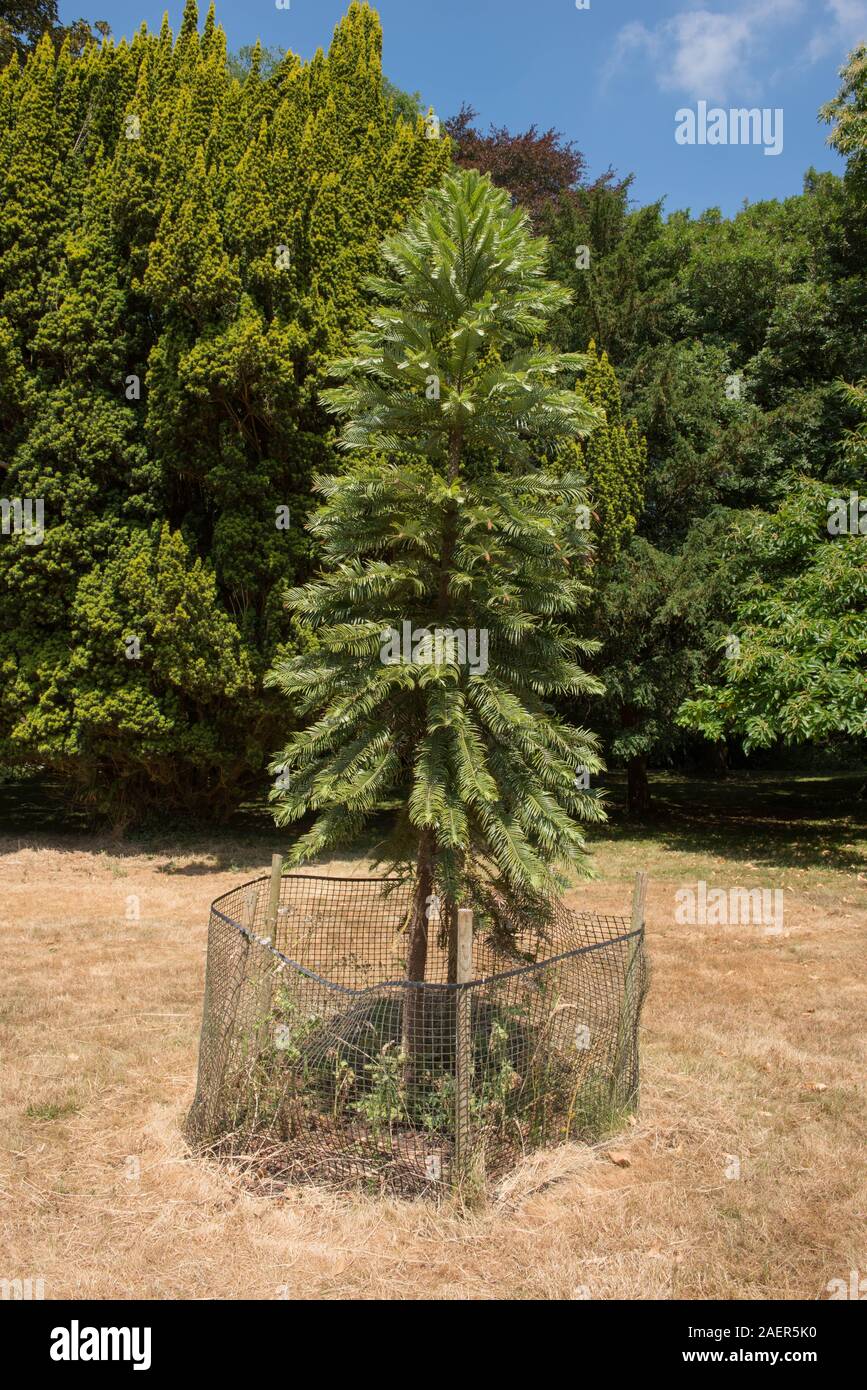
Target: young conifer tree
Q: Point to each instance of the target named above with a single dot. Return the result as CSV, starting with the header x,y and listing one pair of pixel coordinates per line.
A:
x,y
452,559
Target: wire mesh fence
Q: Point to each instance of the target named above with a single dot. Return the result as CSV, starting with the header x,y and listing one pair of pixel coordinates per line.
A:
x,y
320,1062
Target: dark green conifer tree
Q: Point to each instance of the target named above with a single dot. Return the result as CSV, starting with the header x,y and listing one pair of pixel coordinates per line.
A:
x,y
181,254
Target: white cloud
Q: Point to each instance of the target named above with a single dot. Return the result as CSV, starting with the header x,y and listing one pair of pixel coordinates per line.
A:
x,y
708,53
845,26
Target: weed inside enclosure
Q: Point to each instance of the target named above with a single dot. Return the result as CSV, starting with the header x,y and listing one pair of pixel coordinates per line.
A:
x,y
318,1061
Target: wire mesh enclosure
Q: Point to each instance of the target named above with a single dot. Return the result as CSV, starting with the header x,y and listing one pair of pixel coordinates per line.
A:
x,y
320,1062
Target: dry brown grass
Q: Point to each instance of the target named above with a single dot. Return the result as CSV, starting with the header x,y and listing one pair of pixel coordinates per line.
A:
x,y
753,1046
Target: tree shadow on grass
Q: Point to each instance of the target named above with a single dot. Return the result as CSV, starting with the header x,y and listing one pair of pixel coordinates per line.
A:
x,y
778,820
35,813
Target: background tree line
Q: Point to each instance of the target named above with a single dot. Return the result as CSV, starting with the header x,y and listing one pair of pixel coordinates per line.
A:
x,y
733,341
184,237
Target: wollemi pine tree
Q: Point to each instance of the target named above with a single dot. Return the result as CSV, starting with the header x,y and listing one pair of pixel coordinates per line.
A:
x,y
452,559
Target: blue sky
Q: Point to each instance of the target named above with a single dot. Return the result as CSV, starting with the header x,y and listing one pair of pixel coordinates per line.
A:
x,y
611,77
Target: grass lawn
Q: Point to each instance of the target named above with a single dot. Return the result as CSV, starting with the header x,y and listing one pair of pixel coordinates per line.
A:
x,y
742,1178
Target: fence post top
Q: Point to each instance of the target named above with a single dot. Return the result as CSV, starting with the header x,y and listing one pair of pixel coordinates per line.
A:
x,y
465,945
639,898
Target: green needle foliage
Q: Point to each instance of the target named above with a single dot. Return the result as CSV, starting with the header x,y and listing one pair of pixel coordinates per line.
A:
x,y
181,255
467,530
614,460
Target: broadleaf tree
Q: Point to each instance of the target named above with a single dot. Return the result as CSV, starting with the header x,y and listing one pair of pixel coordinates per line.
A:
x,y
797,653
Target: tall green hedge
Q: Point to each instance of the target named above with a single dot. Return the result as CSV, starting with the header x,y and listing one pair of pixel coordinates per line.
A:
x,y
181,253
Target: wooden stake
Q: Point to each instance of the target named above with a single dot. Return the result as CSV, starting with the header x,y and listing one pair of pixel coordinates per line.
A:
x,y
274,895
266,983
463,1042
639,898
627,1046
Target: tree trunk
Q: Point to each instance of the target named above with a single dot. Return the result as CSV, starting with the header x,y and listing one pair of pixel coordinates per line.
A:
x,y
638,787
416,960
719,760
